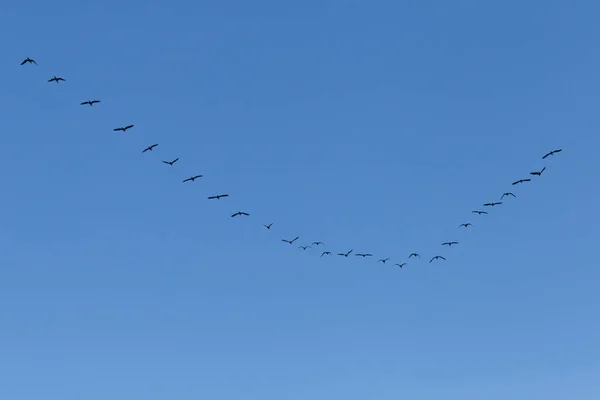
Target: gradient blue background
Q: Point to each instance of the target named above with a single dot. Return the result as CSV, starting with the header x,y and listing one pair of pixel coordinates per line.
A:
x,y
376,126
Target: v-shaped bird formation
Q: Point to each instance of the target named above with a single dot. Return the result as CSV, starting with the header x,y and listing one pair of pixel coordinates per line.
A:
x,y
316,244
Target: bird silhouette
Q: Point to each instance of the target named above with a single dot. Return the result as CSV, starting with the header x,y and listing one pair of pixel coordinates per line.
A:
x,y
291,241
345,254
218,197
400,265
123,128
539,173
171,162
268,226
521,181
553,152
90,102
56,79
149,148
492,204
382,260
317,243
239,213
437,258
305,247
28,60
414,255
325,253
192,178
479,212
449,244
363,255
508,194
466,225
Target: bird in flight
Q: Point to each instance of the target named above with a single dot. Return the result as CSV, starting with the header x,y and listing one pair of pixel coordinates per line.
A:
x,y
553,152
218,196
171,162
149,148
305,247
192,178
90,102
268,226
414,255
363,255
317,243
291,241
492,204
479,212
123,128
508,194
239,213
401,265
449,244
539,173
437,258
468,224
55,79
521,181
345,254
325,253
28,60
383,260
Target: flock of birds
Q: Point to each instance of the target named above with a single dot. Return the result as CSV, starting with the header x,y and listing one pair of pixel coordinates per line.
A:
x,y
268,226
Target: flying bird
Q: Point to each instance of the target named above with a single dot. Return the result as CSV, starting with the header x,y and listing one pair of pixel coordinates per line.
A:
x,y
539,173
508,194
317,243
437,258
553,152
28,60
479,212
90,102
291,241
521,181
468,224
345,254
192,178
414,255
268,226
363,255
239,213
149,148
449,244
123,128
325,253
305,247
401,265
218,196
55,79
492,204
383,260
171,162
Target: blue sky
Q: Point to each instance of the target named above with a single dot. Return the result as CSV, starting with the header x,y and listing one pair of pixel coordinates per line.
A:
x,y
373,126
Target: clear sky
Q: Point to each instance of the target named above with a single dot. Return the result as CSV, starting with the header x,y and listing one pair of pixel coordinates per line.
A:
x,y
374,126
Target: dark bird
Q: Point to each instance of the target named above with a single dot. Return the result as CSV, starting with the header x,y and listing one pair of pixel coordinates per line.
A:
x,y
291,241
449,243
90,102
55,79
468,224
149,148
325,253
479,212
171,162
383,260
521,181
539,173
239,213
192,178
317,243
305,247
345,254
363,255
268,226
401,265
218,196
553,152
28,60
437,258
123,128
508,194
492,204
414,255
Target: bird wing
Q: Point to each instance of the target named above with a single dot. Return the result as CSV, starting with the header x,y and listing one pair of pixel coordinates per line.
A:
x,y
212,197
85,102
175,160
558,151
188,179
118,129
548,154
198,176
128,126
95,101
24,61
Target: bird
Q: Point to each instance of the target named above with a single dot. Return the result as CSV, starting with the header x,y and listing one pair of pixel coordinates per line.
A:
x,y
553,152
149,148
55,79
492,204
383,260
28,60
268,226
123,128
521,181
468,224
363,255
239,213
291,241
401,265
479,212
317,243
508,194
305,247
171,162
192,178
345,254
90,102
219,197
325,253
414,255
449,244
437,258
539,173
